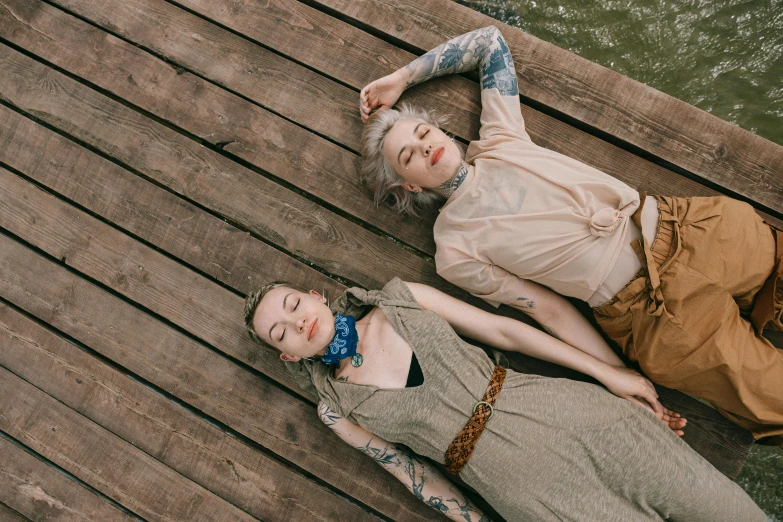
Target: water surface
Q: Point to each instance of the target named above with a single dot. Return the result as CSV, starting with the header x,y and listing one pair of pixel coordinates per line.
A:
x,y
723,56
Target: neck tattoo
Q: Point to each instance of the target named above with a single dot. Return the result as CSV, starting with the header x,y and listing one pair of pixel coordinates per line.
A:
x,y
448,187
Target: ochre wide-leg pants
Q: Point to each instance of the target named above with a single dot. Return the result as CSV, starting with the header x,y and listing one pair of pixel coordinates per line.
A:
x,y
692,318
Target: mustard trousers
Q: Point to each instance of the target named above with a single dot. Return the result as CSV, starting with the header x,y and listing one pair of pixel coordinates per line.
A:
x,y
692,318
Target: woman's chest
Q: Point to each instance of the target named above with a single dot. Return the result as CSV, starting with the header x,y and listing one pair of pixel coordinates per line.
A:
x,y
386,357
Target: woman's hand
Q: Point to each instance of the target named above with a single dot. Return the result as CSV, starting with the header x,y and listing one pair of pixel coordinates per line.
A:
x,y
383,93
630,385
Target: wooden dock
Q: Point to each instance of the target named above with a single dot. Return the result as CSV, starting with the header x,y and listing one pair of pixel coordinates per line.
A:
x,y
161,159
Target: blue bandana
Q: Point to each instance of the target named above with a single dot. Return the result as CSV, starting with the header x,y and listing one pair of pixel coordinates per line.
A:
x,y
345,340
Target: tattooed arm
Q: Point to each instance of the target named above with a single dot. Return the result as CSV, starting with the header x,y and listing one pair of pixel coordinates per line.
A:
x,y
484,48
424,480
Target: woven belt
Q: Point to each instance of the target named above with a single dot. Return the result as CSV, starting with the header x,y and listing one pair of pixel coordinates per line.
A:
x,y
459,451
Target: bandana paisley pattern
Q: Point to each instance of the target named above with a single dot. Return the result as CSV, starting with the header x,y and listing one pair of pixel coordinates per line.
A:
x,y
345,340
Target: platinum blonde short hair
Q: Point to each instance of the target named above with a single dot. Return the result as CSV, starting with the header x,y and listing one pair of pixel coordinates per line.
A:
x,y
379,175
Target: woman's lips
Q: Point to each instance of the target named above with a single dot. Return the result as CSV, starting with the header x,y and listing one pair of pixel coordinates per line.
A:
x,y
313,329
437,155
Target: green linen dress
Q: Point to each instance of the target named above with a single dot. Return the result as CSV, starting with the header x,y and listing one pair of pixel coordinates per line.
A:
x,y
555,449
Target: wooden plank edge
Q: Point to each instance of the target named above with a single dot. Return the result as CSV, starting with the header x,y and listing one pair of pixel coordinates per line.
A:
x,y
39,489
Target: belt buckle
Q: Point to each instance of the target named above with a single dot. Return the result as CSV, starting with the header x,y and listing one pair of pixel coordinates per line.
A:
x,y
491,409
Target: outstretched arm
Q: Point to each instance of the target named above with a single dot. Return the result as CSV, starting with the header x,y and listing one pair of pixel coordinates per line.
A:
x,y
484,48
421,478
512,335
560,319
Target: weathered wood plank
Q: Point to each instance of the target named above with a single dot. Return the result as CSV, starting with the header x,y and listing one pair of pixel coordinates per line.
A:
x,y
160,284
354,57
9,515
670,129
198,450
170,223
102,460
267,209
189,371
315,165
39,491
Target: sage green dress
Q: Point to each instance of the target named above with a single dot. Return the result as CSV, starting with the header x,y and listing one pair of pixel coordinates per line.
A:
x,y
555,449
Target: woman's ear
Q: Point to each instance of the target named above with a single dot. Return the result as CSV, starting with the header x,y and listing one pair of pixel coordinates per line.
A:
x,y
318,296
287,357
411,188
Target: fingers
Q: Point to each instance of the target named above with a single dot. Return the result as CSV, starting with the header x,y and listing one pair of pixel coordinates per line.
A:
x,y
657,407
640,403
651,396
674,421
364,105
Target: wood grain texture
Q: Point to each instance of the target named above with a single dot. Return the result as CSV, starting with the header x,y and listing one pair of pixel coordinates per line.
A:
x,y
350,55
197,449
160,284
102,460
271,211
37,491
670,129
252,406
314,165
10,515
166,221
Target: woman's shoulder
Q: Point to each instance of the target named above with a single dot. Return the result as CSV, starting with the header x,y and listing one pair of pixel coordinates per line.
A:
x,y
358,298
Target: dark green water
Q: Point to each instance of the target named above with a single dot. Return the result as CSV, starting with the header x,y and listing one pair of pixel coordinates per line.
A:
x,y
723,56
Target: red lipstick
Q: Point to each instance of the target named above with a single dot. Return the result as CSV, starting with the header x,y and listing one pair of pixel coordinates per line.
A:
x,y
312,330
437,155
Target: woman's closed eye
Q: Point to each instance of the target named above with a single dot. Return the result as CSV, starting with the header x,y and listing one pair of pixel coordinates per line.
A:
x,y
282,335
408,160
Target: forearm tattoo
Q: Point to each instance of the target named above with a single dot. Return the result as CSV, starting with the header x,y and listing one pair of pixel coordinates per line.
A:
x,y
497,70
328,416
484,48
417,474
524,304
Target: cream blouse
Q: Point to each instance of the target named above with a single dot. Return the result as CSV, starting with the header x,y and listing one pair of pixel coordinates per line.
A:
x,y
527,212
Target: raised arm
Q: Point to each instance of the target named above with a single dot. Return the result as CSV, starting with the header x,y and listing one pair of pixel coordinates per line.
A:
x,y
509,334
421,478
484,48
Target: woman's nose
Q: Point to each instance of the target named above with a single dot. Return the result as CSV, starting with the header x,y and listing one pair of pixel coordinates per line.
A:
x,y
301,323
427,150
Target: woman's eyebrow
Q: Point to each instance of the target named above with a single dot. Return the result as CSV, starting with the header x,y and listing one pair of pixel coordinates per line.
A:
x,y
415,130
273,326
